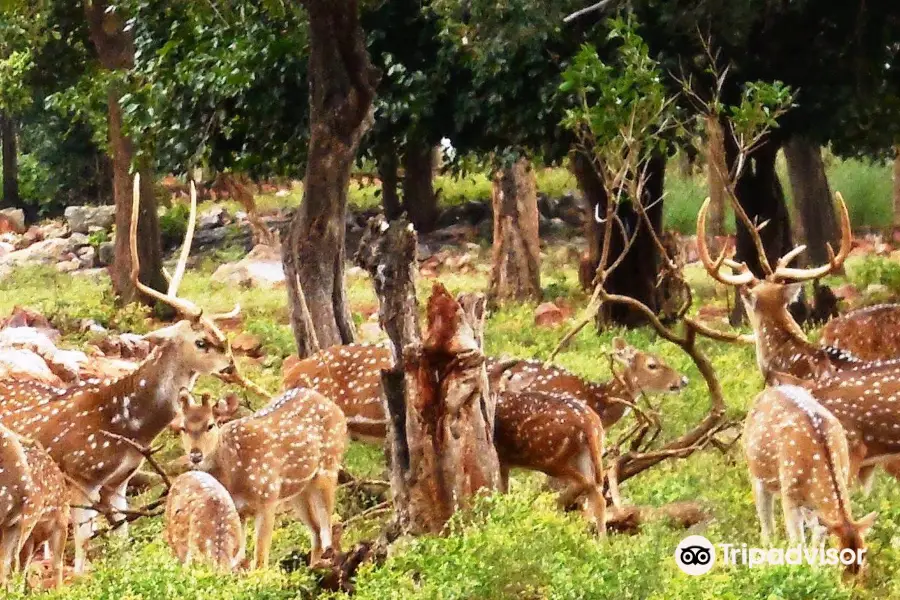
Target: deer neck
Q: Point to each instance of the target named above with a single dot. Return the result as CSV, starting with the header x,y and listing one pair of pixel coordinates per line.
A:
x,y
145,399
620,387
779,340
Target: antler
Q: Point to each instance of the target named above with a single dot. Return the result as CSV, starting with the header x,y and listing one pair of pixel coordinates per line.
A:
x,y
782,271
742,276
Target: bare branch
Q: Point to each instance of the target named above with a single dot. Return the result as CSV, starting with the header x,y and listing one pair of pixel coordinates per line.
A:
x,y
588,9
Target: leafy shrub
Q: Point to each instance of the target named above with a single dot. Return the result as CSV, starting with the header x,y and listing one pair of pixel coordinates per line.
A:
x,y
877,270
173,222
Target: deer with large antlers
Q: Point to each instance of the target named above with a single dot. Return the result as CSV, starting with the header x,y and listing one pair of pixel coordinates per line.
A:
x,y
91,429
351,376
202,523
797,448
289,452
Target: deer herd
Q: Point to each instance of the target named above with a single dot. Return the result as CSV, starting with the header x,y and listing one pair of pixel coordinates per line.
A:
x,y
830,414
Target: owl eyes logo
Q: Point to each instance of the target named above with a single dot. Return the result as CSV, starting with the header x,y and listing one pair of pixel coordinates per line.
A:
x,y
695,555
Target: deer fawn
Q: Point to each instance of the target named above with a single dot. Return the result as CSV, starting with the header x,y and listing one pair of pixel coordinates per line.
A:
x,y
870,334
558,436
798,448
202,522
351,376
288,452
90,429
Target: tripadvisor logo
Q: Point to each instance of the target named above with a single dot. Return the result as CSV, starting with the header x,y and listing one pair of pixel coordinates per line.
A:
x,y
695,555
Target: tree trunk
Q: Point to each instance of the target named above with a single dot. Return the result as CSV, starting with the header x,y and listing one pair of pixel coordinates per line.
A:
x,y
419,197
636,274
516,256
812,198
716,174
116,52
387,171
10,161
440,407
897,186
342,84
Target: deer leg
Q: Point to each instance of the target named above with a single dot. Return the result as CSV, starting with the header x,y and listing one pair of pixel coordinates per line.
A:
x,y
613,477
9,542
867,478
765,509
58,544
793,520
304,513
322,507
119,503
82,521
265,523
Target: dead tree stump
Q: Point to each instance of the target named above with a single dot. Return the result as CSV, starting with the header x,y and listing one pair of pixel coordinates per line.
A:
x,y
437,397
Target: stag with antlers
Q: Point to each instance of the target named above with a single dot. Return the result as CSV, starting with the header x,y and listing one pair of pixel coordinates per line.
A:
x,y
93,429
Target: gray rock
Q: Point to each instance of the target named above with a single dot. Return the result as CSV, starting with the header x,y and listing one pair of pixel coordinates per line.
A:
x,y
88,256
81,218
68,266
49,251
15,217
106,254
79,239
212,218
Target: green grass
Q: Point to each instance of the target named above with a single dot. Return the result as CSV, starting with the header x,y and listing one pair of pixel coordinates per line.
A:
x,y
518,546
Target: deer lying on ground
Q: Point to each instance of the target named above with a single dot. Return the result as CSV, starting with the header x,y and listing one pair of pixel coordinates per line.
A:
x,y
90,430
288,452
52,525
797,448
351,376
19,503
202,523
860,394
871,333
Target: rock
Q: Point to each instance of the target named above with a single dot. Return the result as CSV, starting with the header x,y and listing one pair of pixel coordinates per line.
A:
x,y
65,364
68,266
552,227
88,256
79,239
25,317
81,218
53,229
548,314
847,291
546,205
32,236
212,218
12,219
106,254
48,251
262,267
248,344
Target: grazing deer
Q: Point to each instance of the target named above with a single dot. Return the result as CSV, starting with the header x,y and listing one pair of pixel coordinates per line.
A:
x,y
798,448
19,504
52,493
202,523
870,334
351,376
556,435
288,452
90,429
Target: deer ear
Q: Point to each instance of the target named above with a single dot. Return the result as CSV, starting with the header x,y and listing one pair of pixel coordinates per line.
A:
x,y
184,400
225,408
865,524
622,352
792,292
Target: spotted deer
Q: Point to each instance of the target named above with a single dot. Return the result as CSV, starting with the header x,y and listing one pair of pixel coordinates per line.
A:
x,y
202,523
289,452
871,333
862,395
90,429
796,447
556,435
52,525
351,376
19,503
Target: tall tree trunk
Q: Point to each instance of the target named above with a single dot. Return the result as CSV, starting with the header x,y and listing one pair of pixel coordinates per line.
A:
x,y
897,186
116,52
716,174
516,256
342,84
387,171
10,161
637,273
812,198
419,197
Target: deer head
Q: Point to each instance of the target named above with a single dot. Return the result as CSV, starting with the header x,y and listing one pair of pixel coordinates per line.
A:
x,y
647,372
198,424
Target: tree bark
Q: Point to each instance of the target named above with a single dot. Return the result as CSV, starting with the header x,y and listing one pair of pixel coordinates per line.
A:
x,y
387,171
896,186
419,197
516,256
342,85
636,274
812,198
10,161
116,52
716,174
